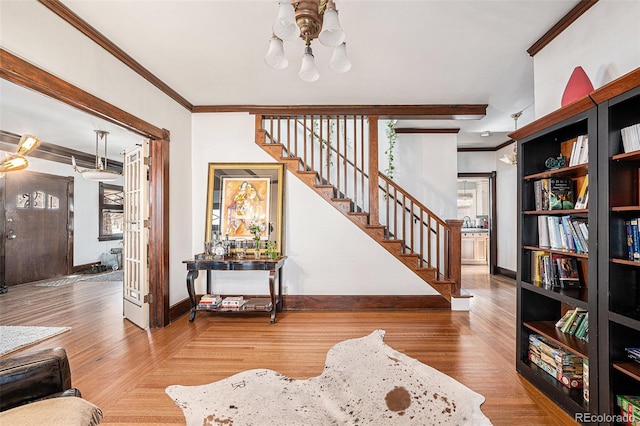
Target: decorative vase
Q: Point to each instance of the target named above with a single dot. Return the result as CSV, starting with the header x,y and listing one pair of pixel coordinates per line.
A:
x,y
256,252
578,86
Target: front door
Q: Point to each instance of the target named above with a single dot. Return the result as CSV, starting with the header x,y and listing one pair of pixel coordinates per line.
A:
x,y
136,236
37,227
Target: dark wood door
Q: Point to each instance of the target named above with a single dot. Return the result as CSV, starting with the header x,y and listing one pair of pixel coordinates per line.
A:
x,y
37,227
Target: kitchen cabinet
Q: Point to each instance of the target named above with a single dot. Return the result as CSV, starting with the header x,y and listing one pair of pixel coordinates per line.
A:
x,y
475,247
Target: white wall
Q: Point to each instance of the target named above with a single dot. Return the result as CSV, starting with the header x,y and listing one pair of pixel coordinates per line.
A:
x,y
426,166
52,44
476,162
605,41
507,210
326,253
86,247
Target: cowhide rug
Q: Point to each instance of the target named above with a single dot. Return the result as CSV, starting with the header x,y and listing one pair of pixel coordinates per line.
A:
x,y
364,382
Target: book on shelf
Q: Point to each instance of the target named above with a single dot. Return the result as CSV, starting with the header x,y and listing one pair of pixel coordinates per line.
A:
x,y
629,409
555,240
583,328
633,353
541,194
579,151
567,268
582,200
631,138
542,271
633,239
209,301
560,194
543,231
566,326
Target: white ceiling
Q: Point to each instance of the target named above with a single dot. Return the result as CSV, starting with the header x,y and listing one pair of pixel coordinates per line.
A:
x,y
403,52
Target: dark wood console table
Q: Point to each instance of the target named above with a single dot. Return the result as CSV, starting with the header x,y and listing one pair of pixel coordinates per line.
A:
x,y
200,263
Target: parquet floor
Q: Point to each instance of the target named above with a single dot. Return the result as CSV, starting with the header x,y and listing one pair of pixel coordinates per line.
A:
x,y
125,370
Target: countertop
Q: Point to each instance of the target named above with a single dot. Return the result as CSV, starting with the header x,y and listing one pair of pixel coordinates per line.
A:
x,y
475,230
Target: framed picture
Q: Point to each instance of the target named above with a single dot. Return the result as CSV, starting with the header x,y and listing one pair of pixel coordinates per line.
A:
x,y
240,195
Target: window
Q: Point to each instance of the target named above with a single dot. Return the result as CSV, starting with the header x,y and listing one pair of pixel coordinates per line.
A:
x,y
111,212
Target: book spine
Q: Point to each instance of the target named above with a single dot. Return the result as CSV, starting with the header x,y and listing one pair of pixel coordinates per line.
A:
x,y
636,239
629,234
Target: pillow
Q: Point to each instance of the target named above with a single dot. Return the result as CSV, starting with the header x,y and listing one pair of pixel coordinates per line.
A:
x,y
67,411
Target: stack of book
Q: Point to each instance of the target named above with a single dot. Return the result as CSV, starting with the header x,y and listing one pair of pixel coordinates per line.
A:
x,y
633,353
553,270
558,363
575,322
631,138
209,301
579,150
232,303
629,409
563,233
553,194
633,239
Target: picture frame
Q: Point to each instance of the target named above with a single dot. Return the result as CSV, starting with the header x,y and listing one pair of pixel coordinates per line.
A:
x,y
243,194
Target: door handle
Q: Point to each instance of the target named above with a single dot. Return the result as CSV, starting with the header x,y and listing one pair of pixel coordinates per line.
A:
x,y
11,235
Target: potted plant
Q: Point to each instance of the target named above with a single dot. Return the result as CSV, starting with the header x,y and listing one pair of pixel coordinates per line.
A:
x,y
272,253
256,229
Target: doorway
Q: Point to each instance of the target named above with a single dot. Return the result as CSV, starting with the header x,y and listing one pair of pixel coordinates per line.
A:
x,y
476,207
38,227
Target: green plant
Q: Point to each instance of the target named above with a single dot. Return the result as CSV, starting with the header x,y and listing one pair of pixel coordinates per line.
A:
x,y
256,229
271,250
393,138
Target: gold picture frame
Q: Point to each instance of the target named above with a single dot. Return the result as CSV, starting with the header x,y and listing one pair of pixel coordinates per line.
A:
x,y
242,194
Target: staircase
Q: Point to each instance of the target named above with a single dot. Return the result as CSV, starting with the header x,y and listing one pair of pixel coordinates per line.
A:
x,y
337,157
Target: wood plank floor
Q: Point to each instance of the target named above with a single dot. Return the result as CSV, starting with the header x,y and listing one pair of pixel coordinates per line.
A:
x,y
125,370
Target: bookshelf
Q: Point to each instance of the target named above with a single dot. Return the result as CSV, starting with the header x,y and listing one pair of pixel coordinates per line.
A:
x,y
610,291
541,305
619,275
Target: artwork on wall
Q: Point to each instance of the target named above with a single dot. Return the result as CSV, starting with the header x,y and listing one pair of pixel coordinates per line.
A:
x,y
243,194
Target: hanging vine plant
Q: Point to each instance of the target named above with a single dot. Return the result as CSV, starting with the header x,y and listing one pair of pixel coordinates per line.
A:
x,y
393,138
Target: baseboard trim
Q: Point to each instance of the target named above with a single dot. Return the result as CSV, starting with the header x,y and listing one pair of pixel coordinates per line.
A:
x,y
505,272
358,302
340,303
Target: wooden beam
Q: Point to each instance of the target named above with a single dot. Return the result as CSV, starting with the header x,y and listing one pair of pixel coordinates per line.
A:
x,y
561,25
436,112
426,130
25,74
81,25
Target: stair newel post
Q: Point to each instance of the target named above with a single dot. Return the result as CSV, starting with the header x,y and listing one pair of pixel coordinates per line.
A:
x,y
454,254
261,135
373,170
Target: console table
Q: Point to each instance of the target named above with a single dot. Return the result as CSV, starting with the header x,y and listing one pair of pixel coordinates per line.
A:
x,y
202,263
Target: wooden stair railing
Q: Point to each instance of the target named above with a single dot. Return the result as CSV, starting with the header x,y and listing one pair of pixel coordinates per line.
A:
x,y
337,157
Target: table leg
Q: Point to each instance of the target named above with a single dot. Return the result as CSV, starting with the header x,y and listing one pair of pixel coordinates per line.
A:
x,y
272,278
191,276
280,304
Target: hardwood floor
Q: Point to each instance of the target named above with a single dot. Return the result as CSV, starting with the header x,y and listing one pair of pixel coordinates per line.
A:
x,y
125,370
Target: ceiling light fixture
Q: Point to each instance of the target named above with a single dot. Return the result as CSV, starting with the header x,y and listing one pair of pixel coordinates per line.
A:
x,y
485,134
100,173
308,19
512,159
17,161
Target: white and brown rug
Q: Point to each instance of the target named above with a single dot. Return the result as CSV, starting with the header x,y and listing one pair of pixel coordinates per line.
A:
x,y
364,382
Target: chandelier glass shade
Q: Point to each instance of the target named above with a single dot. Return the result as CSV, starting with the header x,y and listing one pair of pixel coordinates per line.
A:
x,y
308,19
100,173
13,162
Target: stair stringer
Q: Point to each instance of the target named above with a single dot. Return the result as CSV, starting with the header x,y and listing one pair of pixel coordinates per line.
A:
x,y
377,232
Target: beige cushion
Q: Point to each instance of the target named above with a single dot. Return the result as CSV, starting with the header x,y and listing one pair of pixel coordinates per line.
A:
x,y
64,411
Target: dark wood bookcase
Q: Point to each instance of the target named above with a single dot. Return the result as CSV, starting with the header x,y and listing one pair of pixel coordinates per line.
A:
x,y
619,303
611,282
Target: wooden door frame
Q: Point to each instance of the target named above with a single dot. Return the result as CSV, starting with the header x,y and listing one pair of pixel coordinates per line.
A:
x,y
493,228
25,74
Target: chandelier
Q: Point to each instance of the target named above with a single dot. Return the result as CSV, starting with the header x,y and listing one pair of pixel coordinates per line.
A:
x,y
512,159
308,20
100,172
18,160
